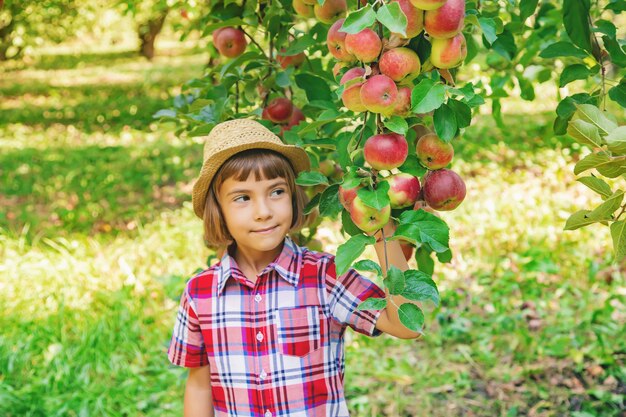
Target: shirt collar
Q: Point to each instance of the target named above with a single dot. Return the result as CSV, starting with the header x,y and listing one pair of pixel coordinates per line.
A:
x,y
287,264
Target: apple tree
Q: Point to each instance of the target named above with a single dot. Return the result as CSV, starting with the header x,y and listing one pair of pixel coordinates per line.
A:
x,y
370,91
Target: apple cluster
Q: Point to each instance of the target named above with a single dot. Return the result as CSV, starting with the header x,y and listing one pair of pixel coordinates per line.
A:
x,y
382,83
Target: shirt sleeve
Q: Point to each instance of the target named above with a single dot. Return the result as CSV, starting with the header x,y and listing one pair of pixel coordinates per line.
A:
x,y
187,345
345,293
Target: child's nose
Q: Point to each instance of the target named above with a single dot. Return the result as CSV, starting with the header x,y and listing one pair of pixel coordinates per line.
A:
x,y
263,209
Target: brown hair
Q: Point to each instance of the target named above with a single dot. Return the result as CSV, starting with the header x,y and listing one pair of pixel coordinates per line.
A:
x,y
264,164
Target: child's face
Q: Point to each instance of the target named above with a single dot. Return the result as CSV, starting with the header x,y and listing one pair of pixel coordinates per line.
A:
x,y
258,214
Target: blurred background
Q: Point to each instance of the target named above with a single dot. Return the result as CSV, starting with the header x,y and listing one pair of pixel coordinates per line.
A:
x,y
97,239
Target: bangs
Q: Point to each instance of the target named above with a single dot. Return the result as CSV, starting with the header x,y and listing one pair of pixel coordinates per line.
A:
x,y
263,164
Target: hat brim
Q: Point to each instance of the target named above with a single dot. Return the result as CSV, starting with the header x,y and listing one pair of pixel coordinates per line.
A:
x,y
297,156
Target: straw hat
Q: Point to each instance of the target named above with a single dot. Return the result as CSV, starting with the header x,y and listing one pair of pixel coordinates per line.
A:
x,y
234,136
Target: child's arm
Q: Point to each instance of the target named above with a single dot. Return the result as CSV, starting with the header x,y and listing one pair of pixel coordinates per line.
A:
x,y
198,399
388,321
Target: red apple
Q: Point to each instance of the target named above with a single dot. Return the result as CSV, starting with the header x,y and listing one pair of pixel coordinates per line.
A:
x,y
428,4
302,8
407,250
330,11
364,45
337,68
347,196
278,110
379,94
403,190
368,218
446,21
444,190
414,19
433,152
403,102
386,151
400,64
448,53
230,42
351,96
336,42
290,60
352,74
294,120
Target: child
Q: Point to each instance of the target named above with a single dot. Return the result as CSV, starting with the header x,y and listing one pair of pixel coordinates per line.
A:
x,y
262,330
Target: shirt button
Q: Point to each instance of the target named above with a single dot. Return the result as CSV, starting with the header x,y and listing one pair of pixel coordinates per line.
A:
x,y
268,414
259,336
258,298
262,375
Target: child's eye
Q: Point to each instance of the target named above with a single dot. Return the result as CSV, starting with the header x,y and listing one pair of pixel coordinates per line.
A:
x,y
242,198
278,191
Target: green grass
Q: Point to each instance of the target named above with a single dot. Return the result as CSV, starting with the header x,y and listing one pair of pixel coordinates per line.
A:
x,y
98,238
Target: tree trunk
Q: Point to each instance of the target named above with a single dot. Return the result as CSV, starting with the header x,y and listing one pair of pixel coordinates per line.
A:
x,y
148,32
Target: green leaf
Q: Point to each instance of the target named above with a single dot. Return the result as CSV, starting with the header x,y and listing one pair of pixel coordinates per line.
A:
x,y
617,6
316,88
618,233
313,203
462,112
367,265
444,257
419,286
311,178
397,124
373,303
394,281
348,252
445,123
299,45
329,202
392,17
585,133
427,96
607,166
527,8
489,28
412,166
348,225
618,94
617,140
580,219
423,227
560,49
608,207
359,20
574,72
615,50
576,21
505,45
425,262
378,198
592,114
606,27
411,316
597,185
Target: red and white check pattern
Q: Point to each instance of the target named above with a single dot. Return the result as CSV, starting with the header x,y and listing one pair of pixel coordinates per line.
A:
x,y
275,347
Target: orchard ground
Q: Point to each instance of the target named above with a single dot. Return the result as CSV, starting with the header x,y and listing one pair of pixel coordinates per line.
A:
x,y
98,238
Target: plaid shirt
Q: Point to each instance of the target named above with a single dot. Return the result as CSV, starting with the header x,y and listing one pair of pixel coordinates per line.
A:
x,y
275,347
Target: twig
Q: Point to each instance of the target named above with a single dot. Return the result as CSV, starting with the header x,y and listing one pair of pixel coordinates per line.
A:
x,y
362,130
256,43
